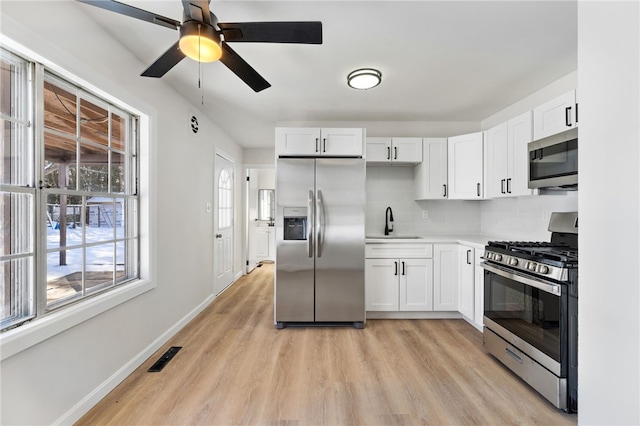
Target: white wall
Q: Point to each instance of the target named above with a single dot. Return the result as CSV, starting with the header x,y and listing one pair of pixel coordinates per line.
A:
x,y
59,378
609,304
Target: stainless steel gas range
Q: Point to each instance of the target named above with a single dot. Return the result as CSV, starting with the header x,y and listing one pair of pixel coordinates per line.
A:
x,y
531,309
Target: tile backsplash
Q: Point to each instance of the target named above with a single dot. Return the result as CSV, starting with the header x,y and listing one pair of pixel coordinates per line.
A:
x,y
514,218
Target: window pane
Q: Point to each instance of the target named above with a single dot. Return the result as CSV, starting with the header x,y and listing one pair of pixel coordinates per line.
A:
x,y
16,302
59,109
64,274
60,161
64,220
119,130
94,123
102,217
100,266
94,169
14,89
16,223
117,173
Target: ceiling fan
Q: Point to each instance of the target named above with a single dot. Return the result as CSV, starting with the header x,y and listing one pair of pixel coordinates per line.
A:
x,y
204,39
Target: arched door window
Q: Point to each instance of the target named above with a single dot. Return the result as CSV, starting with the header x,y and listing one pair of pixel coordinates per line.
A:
x,y
225,203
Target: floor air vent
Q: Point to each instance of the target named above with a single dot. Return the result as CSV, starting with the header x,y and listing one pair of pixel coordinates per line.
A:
x,y
164,359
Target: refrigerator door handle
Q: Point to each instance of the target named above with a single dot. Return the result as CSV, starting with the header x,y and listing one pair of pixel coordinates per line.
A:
x,y
310,221
319,224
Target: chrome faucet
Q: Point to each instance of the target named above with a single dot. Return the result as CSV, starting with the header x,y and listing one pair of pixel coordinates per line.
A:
x,y
388,221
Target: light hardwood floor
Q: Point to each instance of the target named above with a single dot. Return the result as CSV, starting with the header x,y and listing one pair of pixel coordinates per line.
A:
x,y
236,368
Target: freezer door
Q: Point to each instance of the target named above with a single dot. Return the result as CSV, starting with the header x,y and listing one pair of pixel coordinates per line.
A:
x,y
295,200
340,203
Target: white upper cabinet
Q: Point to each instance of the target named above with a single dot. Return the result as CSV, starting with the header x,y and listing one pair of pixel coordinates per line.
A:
x,y
465,167
430,176
394,150
316,142
555,116
506,157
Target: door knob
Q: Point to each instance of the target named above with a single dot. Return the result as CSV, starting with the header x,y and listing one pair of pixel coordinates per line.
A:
x,y
218,235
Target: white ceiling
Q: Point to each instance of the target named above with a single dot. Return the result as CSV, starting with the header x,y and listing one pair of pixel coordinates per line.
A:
x,y
440,60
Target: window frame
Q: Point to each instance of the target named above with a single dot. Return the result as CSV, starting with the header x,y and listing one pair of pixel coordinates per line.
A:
x,y
51,322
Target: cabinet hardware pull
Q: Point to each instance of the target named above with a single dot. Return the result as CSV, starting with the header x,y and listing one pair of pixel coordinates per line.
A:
x,y
567,116
576,113
509,186
395,152
502,186
396,273
388,153
317,140
444,191
513,355
468,257
478,187
324,145
403,273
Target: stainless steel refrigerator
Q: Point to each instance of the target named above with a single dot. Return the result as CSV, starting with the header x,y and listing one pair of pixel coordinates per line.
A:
x,y
319,277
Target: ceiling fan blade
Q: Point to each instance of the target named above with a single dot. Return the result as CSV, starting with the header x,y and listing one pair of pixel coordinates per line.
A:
x,y
235,63
164,63
134,12
196,10
273,32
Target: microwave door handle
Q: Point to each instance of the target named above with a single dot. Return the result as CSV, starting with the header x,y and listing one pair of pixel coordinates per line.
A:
x,y
310,220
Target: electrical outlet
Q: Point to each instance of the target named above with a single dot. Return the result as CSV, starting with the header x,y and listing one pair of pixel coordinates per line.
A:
x,y
425,214
207,207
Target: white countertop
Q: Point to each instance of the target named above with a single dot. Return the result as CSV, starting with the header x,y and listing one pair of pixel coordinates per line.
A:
x,y
476,241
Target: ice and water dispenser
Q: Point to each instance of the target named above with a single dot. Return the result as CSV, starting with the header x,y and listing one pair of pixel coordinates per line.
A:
x,y
295,223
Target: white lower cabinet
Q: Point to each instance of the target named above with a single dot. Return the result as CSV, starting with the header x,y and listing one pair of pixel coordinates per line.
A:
x,y
399,283
265,243
445,277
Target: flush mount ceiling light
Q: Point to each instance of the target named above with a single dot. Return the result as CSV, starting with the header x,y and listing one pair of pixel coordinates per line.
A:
x,y
200,42
364,78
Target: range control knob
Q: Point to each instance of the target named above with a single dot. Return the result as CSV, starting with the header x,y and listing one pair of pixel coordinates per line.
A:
x,y
497,257
489,256
513,261
531,266
543,269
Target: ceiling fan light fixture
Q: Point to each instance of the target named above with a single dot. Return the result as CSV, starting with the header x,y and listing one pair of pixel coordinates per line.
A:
x,y
364,78
200,42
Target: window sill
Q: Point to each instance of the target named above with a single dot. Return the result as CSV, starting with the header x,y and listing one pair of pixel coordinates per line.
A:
x,y
30,334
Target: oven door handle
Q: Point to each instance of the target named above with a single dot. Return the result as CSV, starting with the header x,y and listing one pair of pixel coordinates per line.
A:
x,y
539,284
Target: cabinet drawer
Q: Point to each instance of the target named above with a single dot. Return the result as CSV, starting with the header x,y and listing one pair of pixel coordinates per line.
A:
x,y
398,250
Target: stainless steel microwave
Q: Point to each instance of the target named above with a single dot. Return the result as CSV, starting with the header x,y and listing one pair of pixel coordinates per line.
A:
x,y
553,161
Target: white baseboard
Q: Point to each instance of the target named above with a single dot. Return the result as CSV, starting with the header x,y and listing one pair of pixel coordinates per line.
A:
x,y
84,405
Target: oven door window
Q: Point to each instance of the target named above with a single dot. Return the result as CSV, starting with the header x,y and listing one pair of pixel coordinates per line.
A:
x,y
557,160
529,313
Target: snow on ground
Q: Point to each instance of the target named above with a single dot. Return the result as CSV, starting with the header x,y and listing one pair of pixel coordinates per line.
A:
x,y
98,258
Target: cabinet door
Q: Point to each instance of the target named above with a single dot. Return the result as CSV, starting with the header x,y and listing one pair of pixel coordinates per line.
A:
x,y
272,243
478,313
381,284
445,277
520,133
378,150
406,150
496,154
346,142
555,116
297,141
430,176
466,303
416,285
262,243
465,167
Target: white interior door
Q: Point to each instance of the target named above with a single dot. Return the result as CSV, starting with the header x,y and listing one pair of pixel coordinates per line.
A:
x,y
223,224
